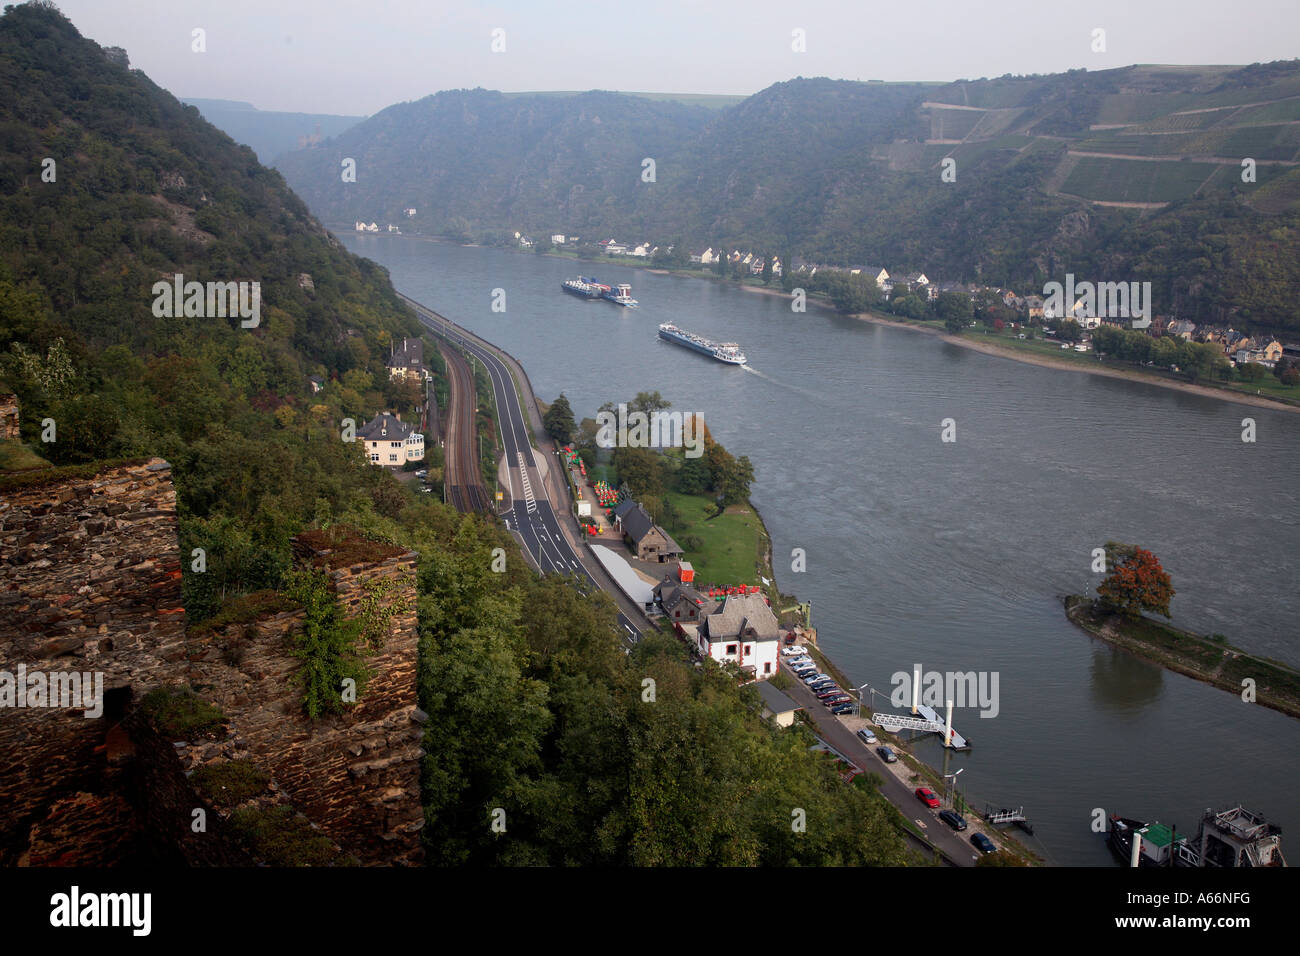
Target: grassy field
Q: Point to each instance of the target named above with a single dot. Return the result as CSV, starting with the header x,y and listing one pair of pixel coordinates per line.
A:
x,y
730,543
15,456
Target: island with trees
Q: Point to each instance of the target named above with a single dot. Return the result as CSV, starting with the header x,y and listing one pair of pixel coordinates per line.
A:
x,y
1137,585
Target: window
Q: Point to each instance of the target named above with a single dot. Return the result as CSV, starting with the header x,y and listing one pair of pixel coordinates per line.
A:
x,y
677,614
767,668
731,648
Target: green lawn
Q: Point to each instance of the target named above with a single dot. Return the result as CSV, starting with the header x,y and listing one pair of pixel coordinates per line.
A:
x,y
730,551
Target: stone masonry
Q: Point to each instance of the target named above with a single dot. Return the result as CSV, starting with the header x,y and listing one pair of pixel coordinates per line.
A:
x,y
90,580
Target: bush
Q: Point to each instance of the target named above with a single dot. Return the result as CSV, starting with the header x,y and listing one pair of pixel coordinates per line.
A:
x,y
179,714
231,782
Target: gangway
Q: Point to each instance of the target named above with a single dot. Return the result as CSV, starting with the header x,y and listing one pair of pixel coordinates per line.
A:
x,y
896,722
1016,816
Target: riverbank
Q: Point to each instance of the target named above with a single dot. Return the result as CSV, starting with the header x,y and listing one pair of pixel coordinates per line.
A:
x,y
1205,659
1047,361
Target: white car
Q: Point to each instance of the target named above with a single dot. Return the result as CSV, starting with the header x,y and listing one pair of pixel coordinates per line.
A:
x,y
815,678
867,736
796,650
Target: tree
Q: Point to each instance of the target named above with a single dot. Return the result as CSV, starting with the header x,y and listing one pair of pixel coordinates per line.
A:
x,y
735,479
1136,582
558,421
955,309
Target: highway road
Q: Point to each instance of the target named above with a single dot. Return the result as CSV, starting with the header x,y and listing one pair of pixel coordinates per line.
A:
x,y
531,518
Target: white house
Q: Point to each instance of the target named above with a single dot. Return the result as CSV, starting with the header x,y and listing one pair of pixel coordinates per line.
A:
x,y
872,272
409,213
642,249
557,239
390,441
742,630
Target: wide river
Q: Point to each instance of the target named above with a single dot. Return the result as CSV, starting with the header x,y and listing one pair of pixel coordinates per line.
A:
x,y
955,555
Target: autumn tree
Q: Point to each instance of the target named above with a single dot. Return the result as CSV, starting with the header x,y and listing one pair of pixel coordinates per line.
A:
x,y
1136,582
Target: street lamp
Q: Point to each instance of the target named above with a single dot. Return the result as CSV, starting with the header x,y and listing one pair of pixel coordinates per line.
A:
x,y
952,787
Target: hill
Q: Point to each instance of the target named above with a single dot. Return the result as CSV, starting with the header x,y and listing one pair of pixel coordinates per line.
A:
x,y
1122,175
141,188
267,132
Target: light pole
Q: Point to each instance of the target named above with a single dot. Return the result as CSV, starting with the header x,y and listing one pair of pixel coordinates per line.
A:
x,y
952,787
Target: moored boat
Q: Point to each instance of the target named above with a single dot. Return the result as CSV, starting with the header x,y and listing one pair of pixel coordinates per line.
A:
x,y
1231,838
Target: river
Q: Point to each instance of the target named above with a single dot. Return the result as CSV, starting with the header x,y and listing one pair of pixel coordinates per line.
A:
x,y
954,554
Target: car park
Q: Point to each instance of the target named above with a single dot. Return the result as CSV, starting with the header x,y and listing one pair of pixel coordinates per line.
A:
x,y
887,754
982,843
927,796
953,819
867,736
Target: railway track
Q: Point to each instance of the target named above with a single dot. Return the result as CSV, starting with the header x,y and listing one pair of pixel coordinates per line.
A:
x,y
463,479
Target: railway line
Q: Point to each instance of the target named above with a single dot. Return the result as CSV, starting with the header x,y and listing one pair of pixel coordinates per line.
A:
x,y
529,517
463,487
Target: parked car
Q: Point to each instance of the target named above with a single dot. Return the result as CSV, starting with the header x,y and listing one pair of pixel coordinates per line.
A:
x,y
837,699
816,679
799,668
927,796
867,736
887,754
421,473
795,650
982,843
953,819
831,691
823,686
846,708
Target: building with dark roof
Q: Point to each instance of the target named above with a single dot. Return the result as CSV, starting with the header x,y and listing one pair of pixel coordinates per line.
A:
x,y
390,441
648,541
407,360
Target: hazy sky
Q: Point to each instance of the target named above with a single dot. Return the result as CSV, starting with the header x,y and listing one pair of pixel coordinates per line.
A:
x,y
358,56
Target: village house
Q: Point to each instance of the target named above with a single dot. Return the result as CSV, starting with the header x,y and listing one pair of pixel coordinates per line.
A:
x,y
872,272
1181,328
317,383
557,239
1034,306
681,603
390,442
407,361
647,540
742,630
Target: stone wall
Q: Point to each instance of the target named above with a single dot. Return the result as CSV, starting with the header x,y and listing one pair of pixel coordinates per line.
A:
x,y
8,416
355,775
90,580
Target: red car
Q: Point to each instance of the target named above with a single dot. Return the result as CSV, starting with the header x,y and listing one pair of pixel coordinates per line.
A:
x,y
926,796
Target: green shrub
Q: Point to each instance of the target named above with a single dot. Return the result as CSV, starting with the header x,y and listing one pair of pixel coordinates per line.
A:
x,y
179,714
231,782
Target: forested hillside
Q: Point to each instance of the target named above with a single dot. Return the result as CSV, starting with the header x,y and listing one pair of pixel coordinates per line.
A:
x,y
534,706
1122,175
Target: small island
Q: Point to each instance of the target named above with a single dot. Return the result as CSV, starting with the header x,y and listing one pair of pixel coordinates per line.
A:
x,y
1136,583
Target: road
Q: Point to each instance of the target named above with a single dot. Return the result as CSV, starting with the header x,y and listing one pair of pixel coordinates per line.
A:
x,y
531,516
955,847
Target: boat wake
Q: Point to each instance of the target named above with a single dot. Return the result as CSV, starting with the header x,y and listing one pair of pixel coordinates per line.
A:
x,y
777,381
